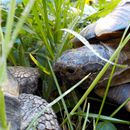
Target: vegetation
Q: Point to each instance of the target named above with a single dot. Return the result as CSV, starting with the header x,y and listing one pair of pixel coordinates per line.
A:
x,y
35,38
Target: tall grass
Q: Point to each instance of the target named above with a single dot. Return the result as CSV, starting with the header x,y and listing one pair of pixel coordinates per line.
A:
x,y
46,30
7,40
42,38
50,17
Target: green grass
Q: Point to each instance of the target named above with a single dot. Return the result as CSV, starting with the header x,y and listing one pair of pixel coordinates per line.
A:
x,y
41,40
7,41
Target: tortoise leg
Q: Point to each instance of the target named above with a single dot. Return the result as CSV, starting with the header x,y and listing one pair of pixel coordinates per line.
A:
x,y
118,94
27,78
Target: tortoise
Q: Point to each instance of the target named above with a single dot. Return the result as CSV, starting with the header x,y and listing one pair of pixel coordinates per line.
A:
x,y
74,64
22,107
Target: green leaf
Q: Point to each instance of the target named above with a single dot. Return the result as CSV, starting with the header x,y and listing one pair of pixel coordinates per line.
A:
x,y
39,65
3,122
105,126
102,117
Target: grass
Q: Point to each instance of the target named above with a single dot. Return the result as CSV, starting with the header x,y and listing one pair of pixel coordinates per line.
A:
x,y
40,40
7,41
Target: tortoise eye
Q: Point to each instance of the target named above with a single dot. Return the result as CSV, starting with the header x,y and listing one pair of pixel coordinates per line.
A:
x,y
70,70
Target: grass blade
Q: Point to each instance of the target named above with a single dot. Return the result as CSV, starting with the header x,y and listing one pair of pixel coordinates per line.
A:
x,y
60,93
39,65
86,117
121,106
2,111
9,26
20,23
105,118
107,89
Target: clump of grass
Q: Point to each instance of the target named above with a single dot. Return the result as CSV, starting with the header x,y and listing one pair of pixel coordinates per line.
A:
x,y
6,43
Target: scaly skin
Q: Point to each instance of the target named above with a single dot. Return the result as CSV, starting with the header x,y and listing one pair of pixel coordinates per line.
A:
x,y
117,94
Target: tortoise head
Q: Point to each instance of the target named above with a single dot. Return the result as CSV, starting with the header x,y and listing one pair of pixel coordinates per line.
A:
x,y
74,64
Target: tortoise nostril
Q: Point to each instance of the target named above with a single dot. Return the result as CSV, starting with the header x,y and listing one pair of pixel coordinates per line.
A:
x,y
70,70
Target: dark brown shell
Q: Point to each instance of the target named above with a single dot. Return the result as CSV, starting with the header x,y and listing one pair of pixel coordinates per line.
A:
x,y
74,64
